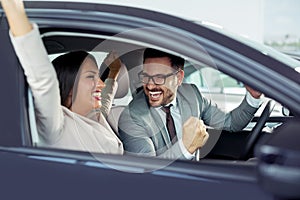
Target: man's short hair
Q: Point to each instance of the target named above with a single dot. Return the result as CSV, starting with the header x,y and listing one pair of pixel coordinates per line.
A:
x,y
176,61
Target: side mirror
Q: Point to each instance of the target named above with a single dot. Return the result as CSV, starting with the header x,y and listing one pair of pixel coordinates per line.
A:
x,y
279,162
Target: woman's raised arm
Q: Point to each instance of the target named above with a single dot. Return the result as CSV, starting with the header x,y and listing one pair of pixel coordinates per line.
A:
x,y
40,73
16,16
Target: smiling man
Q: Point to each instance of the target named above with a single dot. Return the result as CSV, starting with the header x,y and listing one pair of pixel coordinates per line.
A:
x,y
165,118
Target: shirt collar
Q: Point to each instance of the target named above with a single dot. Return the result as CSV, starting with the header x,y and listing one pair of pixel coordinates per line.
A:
x,y
173,102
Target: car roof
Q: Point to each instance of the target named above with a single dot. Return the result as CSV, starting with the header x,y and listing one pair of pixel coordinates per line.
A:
x,y
208,37
215,27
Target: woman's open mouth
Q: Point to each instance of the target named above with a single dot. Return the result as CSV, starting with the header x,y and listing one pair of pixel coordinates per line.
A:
x,y
97,95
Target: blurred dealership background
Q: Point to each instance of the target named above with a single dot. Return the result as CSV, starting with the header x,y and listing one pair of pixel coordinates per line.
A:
x,y
273,22
281,24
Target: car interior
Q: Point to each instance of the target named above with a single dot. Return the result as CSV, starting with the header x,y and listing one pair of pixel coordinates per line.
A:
x,y
229,146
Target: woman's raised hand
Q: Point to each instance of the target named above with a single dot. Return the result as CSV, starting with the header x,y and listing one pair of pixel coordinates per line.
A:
x,y
16,16
114,63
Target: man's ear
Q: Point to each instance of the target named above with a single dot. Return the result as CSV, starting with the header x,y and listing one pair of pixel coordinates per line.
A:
x,y
180,76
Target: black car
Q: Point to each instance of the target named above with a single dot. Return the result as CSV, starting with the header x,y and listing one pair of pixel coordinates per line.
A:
x,y
260,162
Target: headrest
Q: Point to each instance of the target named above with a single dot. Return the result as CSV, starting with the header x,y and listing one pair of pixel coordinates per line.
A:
x,y
123,83
134,64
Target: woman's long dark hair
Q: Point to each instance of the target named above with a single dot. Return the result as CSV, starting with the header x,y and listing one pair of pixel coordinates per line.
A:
x,y
67,67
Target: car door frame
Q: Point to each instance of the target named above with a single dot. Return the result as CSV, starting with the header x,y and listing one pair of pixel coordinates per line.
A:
x,y
221,170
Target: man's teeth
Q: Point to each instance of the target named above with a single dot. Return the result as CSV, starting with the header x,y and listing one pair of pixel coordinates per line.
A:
x,y
158,92
153,94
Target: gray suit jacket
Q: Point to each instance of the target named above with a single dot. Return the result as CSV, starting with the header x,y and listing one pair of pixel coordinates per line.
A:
x,y
142,130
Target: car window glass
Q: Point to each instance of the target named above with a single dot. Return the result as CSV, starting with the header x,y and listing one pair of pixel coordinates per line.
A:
x,y
221,88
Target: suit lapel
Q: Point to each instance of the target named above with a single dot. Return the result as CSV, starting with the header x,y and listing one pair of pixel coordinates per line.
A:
x,y
153,121
184,107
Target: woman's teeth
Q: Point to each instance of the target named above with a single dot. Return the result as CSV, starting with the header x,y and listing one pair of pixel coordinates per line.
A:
x,y
97,95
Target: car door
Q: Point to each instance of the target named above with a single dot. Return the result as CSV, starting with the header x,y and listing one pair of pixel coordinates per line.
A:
x,y
14,120
77,174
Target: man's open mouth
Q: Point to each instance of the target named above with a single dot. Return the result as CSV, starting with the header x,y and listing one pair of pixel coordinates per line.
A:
x,y
155,94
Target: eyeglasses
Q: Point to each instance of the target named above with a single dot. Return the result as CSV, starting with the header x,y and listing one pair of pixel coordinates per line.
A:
x,y
158,79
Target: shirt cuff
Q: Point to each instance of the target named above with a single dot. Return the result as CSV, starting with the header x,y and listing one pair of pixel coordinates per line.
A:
x,y
185,152
253,101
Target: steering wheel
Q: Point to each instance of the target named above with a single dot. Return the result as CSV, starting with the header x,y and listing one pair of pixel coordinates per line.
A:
x,y
255,133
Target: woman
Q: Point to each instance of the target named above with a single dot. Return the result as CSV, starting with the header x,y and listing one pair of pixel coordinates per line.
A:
x,y
68,103
67,67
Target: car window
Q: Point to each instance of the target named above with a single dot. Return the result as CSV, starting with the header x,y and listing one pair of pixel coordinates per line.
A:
x,y
224,90
221,88
218,82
